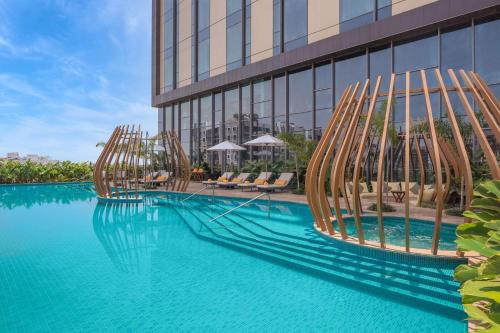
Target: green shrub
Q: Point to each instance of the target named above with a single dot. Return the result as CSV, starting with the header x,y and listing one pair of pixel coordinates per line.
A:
x,y
480,282
12,172
385,207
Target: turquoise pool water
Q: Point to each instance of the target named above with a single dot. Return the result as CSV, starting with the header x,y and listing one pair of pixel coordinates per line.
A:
x,y
68,264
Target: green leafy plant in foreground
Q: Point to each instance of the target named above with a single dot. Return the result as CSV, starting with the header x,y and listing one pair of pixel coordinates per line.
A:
x,y
480,282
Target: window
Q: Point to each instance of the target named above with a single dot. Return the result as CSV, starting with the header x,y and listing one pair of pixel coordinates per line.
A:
x,y
295,24
248,32
185,135
276,26
232,115
380,64
414,56
456,52
354,14
168,118
233,34
301,102
280,104
176,119
488,51
203,39
167,51
195,132
323,97
246,107
262,107
349,71
205,126
218,124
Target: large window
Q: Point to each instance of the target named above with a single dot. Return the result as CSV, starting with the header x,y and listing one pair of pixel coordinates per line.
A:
x,y
246,112
276,26
176,119
167,51
262,107
349,71
488,51
248,31
203,39
233,34
185,134
414,56
323,98
168,125
301,102
356,13
280,104
195,132
232,121
295,24
205,126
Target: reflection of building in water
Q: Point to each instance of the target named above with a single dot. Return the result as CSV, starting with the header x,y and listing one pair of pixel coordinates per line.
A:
x,y
129,233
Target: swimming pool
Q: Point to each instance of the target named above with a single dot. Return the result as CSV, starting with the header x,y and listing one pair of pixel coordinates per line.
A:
x,y
68,264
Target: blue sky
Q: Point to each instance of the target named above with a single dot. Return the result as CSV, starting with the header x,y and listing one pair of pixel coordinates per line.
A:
x,y
71,70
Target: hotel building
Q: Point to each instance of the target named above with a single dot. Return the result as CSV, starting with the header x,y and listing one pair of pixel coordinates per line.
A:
x,y
237,69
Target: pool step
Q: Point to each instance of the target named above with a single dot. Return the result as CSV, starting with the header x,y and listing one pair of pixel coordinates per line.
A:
x,y
330,250
435,287
375,282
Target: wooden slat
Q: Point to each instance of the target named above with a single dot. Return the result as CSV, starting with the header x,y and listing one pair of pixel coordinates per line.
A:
x,y
330,154
476,126
381,159
314,198
438,174
459,142
488,95
407,163
487,115
357,163
338,179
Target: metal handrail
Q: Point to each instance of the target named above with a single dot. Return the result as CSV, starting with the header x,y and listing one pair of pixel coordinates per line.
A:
x,y
235,208
195,193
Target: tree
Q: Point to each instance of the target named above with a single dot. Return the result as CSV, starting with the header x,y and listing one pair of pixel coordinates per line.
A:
x,y
301,149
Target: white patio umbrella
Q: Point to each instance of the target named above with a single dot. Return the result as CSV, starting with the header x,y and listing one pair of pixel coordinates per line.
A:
x,y
226,146
265,141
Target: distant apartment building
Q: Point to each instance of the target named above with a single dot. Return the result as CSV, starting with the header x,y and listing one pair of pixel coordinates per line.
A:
x,y
237,69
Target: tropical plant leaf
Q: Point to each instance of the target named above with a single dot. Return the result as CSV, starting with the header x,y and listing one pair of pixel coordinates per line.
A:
x,y
490,204
476,313
479,216
490,266
476,244
464,273
487,290
472,229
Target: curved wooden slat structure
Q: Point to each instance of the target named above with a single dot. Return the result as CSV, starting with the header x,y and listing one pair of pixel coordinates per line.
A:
x,y
351,147
126,161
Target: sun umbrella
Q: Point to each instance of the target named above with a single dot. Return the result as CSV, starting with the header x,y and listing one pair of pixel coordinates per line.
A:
x,y
265,141
226,146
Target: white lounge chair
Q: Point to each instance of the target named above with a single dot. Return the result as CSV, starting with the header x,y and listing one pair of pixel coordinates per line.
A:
x,y
242,177
279,184
225,176
263,177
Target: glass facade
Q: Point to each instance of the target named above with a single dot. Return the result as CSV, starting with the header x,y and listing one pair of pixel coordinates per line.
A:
x,y
203,39
301,100
295,24
167,49
354,14
234,34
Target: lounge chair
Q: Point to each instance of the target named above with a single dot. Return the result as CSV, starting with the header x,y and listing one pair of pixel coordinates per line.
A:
x,y
162,178
235,181
279,184
225,176
263,177
148,178
363,189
